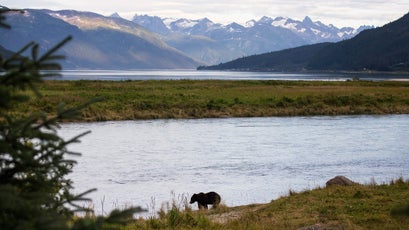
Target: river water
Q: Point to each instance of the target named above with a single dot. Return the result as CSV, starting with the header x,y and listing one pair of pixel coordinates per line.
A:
x,y
245,160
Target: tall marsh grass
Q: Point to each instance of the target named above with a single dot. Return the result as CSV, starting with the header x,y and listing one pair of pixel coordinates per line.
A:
x,y
129,100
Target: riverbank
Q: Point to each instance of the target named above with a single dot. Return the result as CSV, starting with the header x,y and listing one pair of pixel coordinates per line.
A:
x,y
169,99
371,206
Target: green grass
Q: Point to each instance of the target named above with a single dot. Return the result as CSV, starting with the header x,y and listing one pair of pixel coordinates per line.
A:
x,y
128,100
337,207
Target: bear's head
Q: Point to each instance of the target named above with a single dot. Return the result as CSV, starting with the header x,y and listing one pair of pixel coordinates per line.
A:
x,y
193,199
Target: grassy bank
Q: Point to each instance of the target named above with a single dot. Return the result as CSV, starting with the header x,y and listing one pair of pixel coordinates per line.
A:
x,y
127,100
372,206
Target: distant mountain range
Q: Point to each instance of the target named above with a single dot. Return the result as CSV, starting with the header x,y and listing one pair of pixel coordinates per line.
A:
x,y
213,43
381,49
150,42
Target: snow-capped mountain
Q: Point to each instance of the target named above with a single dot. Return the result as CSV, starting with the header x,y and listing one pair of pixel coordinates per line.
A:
x,y
193,27
311,31
306,28
153,23
256,36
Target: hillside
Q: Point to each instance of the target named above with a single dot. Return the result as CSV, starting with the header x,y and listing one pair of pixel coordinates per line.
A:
x,y
380,49
294,59
99,42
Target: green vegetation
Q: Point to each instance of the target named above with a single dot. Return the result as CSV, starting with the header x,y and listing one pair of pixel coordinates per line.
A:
x,y
369,206
128,100
35,192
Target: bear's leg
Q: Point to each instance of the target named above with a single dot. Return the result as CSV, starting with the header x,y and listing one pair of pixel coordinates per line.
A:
x,y
216,201
201,206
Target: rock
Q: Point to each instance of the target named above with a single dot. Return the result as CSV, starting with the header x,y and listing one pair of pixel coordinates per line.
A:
x,y
312,227
321,226
340,180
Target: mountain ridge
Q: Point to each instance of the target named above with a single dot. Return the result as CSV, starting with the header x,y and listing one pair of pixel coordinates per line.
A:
x,y
256,36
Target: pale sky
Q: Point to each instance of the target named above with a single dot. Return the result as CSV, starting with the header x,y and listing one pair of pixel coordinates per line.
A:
x,y
337,12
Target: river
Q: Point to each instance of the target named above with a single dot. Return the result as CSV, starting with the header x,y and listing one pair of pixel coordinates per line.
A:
x,y
246,160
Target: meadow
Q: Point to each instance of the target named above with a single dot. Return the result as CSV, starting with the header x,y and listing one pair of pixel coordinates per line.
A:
x,y
173,99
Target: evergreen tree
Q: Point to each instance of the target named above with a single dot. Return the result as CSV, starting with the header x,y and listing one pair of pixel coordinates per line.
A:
x,y
35,192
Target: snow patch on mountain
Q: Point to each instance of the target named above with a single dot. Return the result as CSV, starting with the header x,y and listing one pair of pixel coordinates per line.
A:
x,y
250,23
185,23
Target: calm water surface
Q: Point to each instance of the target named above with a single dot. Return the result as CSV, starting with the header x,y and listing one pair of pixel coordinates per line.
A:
x,y
246,160
121,75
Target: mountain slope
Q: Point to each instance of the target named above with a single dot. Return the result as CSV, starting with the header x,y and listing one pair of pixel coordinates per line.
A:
x,y
381,49
294,59
99,42
384,49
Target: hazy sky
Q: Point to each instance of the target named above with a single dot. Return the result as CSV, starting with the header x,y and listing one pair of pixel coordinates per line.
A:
x,y
337,12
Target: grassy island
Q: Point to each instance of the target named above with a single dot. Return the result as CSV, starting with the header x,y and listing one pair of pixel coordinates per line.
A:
x,y
129,100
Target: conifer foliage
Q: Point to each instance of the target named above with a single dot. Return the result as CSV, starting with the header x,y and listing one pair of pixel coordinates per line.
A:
x,y
35,192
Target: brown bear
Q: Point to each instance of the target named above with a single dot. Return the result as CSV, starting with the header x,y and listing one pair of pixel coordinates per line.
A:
x,y
203,199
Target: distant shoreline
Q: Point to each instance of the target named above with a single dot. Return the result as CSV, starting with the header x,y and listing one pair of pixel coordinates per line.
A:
x,y
368,72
